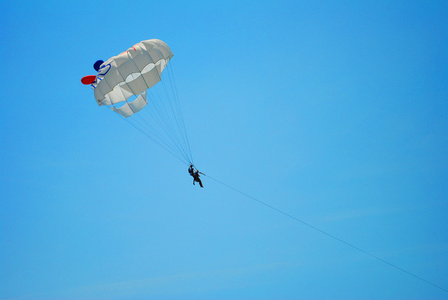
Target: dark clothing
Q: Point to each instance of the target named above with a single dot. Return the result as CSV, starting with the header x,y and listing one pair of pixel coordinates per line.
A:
x,y
196,178
195,175
191,170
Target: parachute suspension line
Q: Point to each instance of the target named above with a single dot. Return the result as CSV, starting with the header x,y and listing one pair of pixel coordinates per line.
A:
x,y
170,128
167,118
173,84
159,127
149,131
176,134
163,130
329,235
179,108
144,124
153,139
153,130
157,132
163,143
164,119
180,131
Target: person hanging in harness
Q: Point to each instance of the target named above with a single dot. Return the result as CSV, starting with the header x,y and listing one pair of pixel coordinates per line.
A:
x,y
195,174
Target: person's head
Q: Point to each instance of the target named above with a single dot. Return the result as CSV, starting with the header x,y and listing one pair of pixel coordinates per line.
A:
x,y
191,166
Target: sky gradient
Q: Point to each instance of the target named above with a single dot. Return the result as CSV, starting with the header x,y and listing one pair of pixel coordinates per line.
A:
x,y
334,112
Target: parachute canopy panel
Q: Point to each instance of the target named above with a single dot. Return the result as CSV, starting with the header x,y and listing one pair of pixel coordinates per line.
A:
x,y
130,108
131,72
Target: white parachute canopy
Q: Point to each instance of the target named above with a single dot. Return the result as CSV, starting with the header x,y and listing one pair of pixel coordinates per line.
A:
x,y
126,83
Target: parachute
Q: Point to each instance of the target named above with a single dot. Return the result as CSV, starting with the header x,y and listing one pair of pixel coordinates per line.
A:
x,y
129,82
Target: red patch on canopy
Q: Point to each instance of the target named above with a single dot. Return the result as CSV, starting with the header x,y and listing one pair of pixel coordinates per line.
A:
x,y
89,79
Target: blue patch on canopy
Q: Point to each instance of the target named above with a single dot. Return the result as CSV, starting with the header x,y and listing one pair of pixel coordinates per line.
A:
x,y
97,64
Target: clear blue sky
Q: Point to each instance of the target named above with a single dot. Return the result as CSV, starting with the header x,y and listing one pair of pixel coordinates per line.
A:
x,y
335,112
